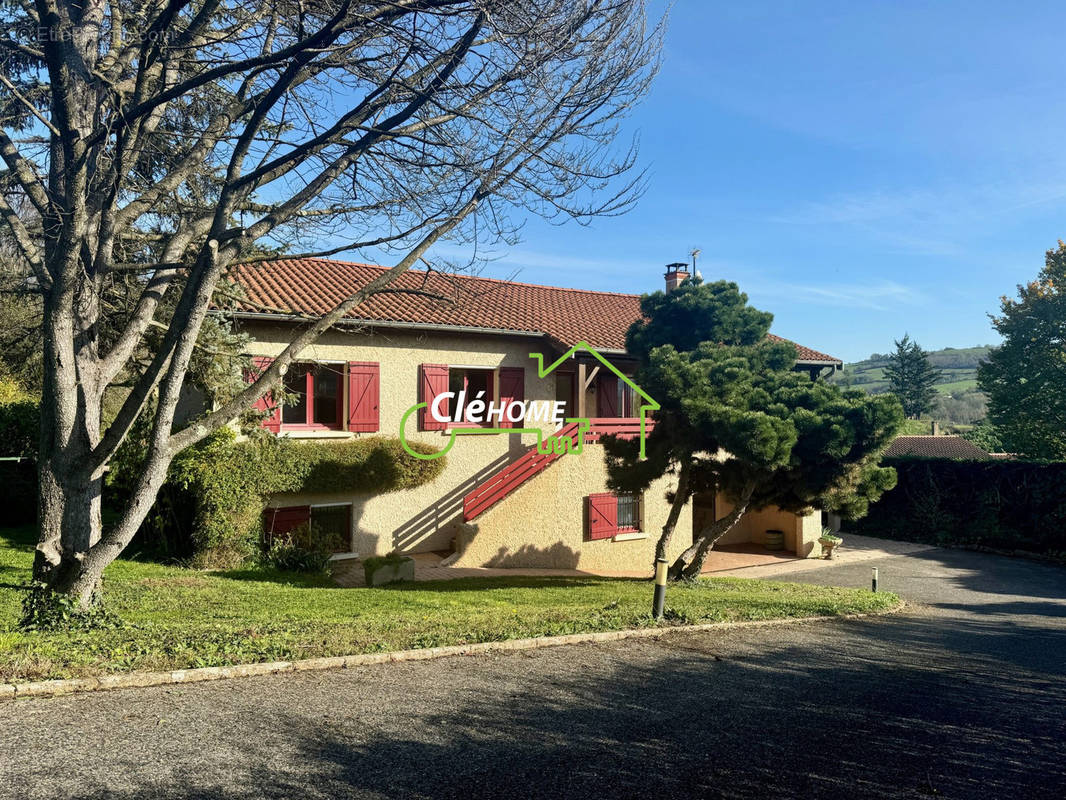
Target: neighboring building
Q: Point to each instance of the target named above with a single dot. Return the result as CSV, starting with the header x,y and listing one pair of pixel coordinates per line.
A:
x,y
935,446
497,502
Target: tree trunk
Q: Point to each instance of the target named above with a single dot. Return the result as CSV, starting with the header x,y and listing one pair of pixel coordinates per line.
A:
x,y
681,495
689,564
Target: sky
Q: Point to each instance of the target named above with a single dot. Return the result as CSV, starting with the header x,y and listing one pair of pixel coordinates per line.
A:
x,y
861,170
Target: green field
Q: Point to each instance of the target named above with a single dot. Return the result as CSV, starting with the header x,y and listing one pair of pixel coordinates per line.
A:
x,y
167,617
958,365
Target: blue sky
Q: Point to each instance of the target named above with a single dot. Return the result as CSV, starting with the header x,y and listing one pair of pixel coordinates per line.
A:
x,y
860,169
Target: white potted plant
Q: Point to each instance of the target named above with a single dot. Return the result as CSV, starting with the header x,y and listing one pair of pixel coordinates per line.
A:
x,y
829,542
388,569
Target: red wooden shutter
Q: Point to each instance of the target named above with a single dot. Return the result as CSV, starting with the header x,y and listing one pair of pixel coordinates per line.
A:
x,y
512,387
607,396
603,515
265,403
432,381
277,521
363,390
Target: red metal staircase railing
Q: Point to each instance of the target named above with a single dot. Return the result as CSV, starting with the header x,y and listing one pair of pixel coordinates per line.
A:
x,y
502,483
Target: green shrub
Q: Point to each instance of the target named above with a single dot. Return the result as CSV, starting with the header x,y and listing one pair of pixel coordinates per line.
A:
x,y
226,483
1009,505
19,428
302,549
392,558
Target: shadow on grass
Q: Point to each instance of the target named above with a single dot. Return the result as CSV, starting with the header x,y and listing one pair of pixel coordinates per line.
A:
x,y
21,536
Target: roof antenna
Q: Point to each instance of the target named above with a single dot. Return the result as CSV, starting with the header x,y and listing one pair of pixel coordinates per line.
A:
x,y
695,272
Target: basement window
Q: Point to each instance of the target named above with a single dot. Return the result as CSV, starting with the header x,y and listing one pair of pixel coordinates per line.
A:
x,y
614,516
628,513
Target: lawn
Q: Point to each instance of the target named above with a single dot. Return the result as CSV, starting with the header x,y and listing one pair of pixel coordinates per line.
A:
x,y
168,617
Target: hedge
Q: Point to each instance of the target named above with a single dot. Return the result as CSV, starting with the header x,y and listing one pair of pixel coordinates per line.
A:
x,y
212,506
19,424
1009,505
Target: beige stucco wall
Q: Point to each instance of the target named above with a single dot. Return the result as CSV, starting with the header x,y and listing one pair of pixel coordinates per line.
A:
x,y
801,530
542,523
424,518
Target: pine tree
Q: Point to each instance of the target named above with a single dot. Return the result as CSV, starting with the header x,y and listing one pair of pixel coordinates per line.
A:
x,y
911,377
1025,378
737,419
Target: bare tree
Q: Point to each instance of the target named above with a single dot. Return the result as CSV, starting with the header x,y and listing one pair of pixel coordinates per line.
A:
x,y
166,140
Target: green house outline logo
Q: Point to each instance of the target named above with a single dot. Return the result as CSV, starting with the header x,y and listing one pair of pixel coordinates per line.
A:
x,y
552,444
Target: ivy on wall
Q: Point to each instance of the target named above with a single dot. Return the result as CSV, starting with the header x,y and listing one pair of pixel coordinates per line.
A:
x,y
211,508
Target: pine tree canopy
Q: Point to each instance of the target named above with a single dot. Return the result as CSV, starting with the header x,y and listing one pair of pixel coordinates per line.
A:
x,y
1025,378
912,378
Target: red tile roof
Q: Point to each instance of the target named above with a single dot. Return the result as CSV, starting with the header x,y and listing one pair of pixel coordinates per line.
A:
x,y
314,286
954,447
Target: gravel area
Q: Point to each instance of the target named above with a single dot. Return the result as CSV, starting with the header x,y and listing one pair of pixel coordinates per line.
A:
x,y
961,696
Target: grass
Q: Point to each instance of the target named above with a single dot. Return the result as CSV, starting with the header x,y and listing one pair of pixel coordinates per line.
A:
x,y
171,618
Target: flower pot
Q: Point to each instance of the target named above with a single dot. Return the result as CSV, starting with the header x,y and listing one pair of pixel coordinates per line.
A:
x,y
775,540
389,572
828,546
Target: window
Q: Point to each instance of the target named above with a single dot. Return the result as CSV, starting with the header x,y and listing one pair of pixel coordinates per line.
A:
x,y
474,382
478,384
315,396
325,526
628,517
610,514
332,527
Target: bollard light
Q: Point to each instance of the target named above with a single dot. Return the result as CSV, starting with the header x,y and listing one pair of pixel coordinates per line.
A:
x,y
874,579
660,588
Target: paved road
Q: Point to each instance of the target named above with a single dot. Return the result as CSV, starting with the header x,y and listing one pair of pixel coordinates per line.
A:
x,y
962,696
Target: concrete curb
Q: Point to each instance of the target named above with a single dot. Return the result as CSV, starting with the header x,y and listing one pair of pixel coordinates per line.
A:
x,y
137,680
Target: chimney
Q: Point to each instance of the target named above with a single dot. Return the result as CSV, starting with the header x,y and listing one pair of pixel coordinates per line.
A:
x,y
675,274
934,428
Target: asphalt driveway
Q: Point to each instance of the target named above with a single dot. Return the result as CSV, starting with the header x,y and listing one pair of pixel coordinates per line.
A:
x,y
961,696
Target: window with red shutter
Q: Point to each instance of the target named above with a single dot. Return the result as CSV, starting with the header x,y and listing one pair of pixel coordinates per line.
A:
x,y
432,381
272,422
611,514
363,390
603,515
512,387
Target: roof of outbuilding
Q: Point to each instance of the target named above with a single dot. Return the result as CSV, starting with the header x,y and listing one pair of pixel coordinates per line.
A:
x,y
314,286
954,447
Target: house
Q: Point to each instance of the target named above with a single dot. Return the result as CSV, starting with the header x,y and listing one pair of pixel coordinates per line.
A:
x,y
501,500
935,446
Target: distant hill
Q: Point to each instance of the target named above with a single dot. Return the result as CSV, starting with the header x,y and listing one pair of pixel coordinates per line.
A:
x,y
959,365
960,403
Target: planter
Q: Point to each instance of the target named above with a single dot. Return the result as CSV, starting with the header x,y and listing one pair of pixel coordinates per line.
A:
x,y
380,572
775,540
828,546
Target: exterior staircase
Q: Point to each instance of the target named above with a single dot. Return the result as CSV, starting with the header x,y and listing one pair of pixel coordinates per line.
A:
x,y
507,479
